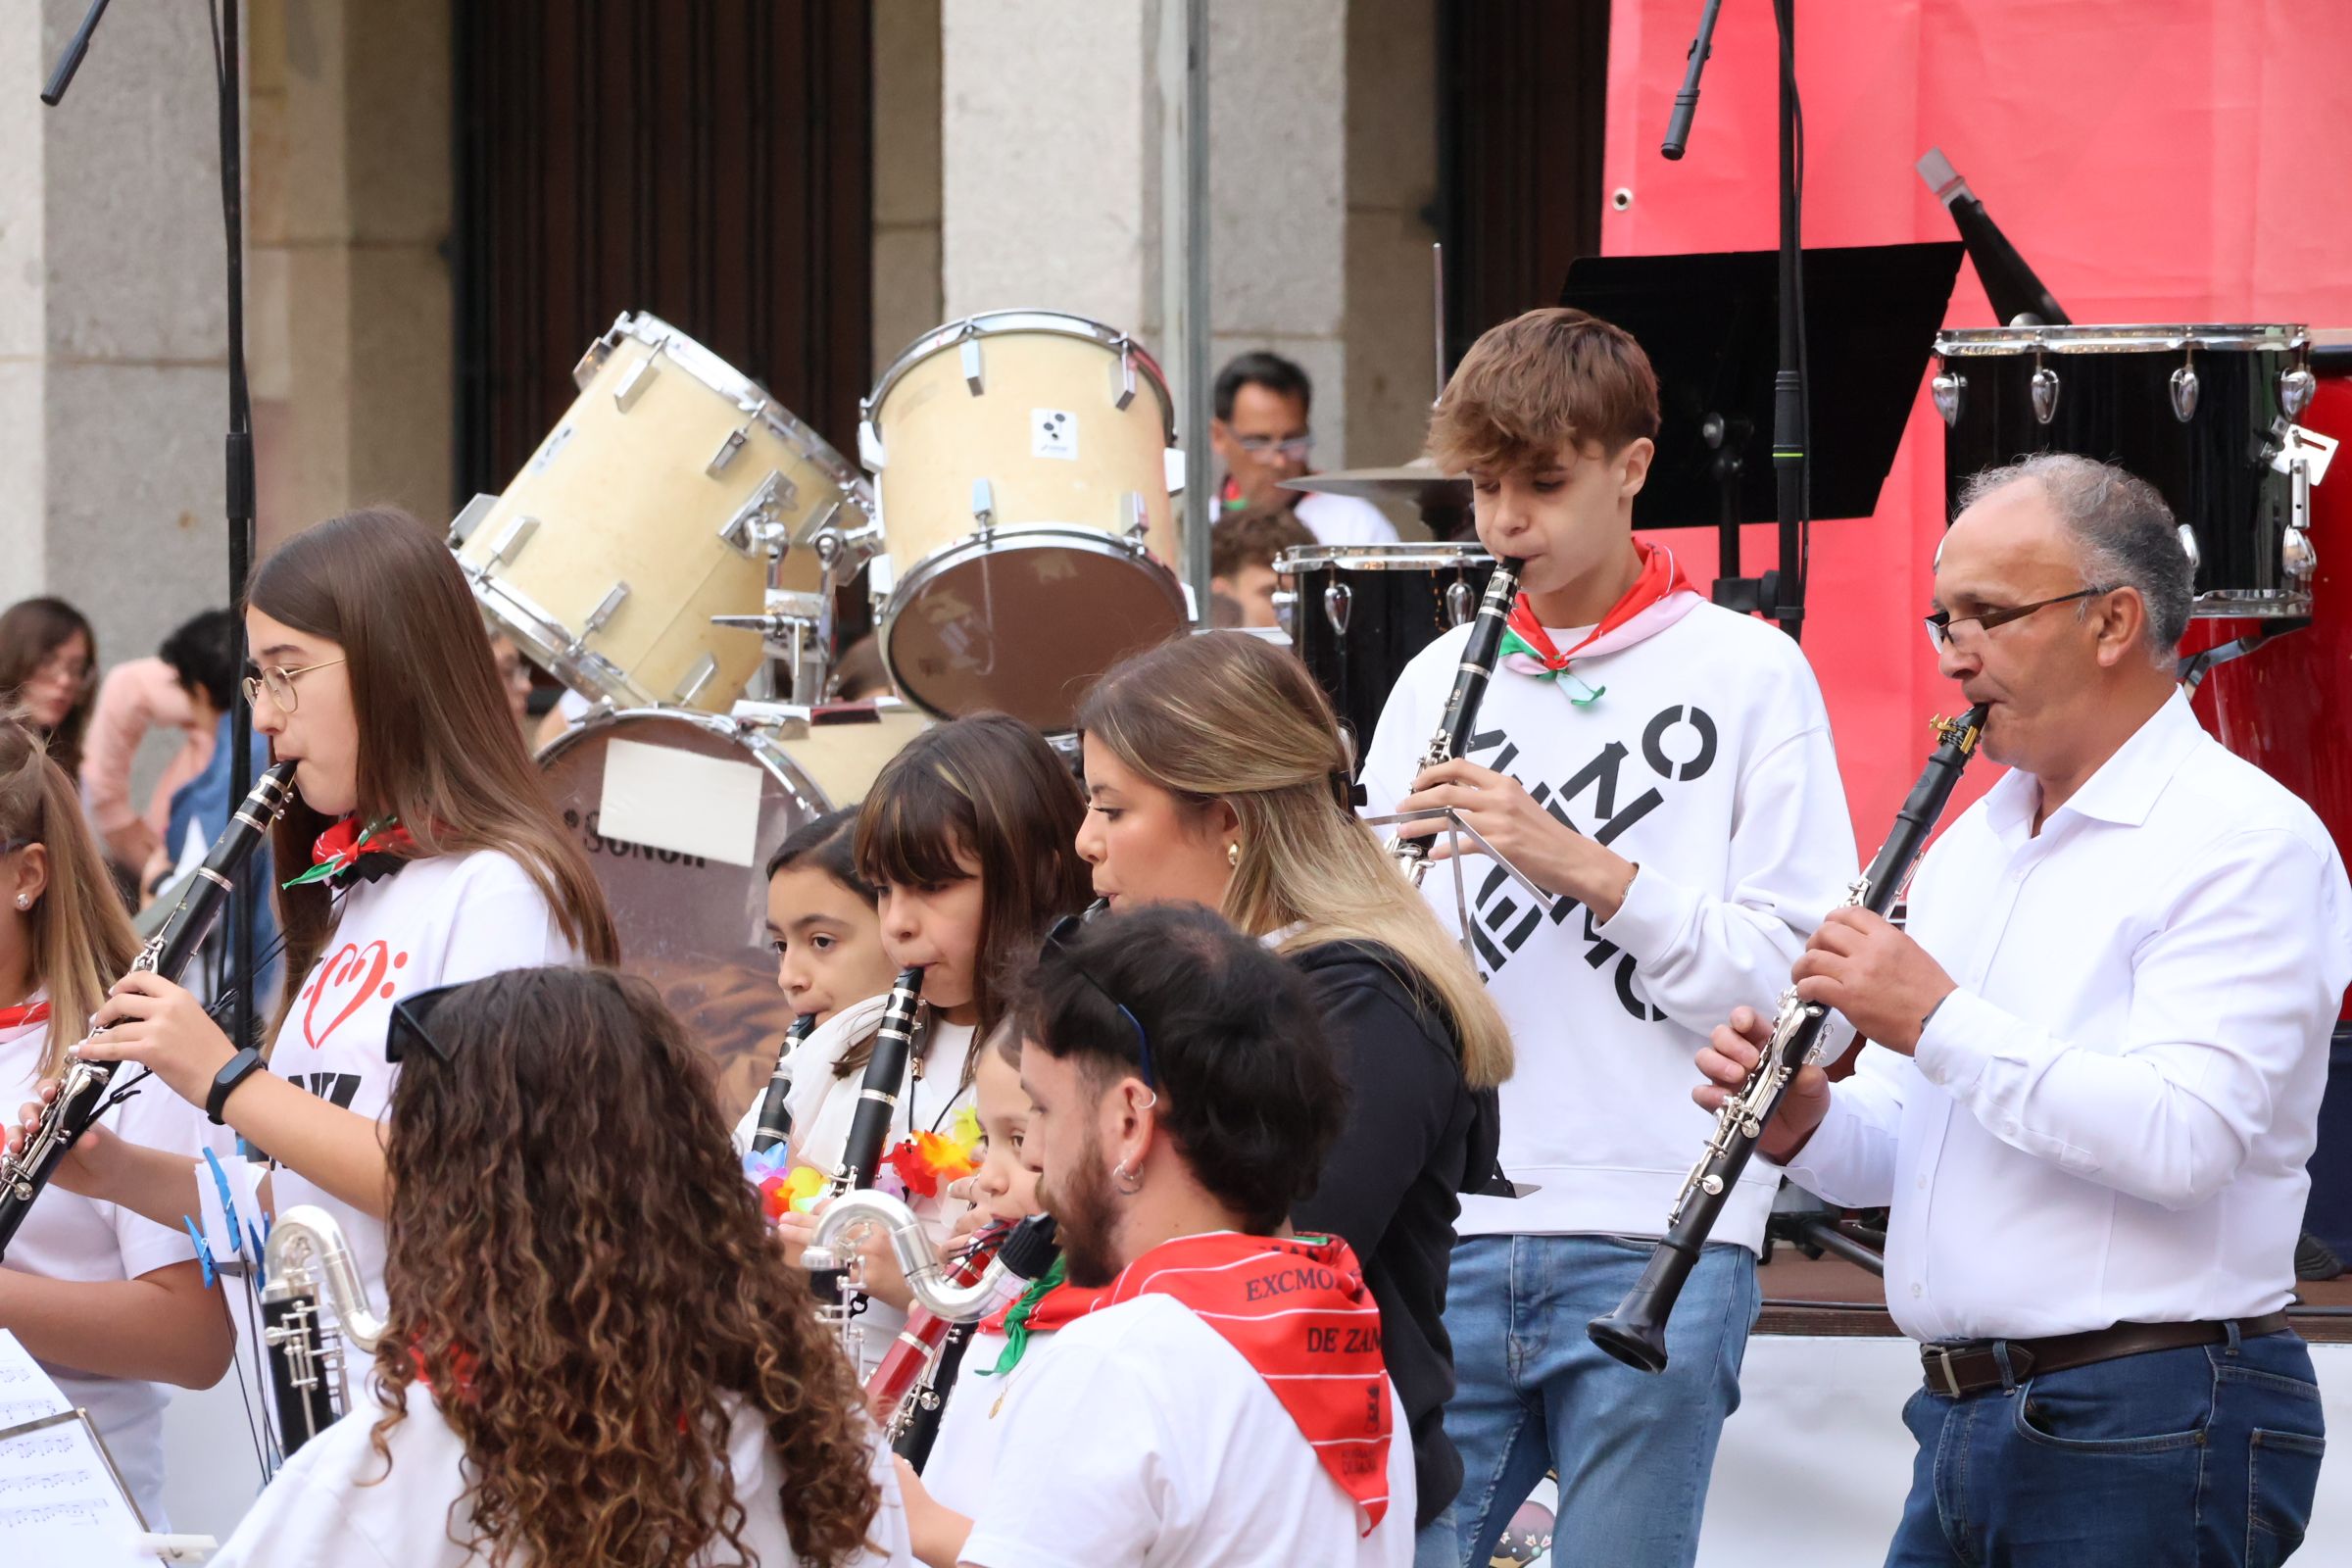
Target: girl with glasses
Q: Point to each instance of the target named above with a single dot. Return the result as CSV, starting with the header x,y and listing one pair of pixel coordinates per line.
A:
x,y
113,1304
592,1354
1216,774
49,674
420,850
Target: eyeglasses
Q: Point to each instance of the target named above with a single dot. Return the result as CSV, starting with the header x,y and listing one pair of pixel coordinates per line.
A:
x,y
411,1019
1057,944
62,667
279,684
1942,623
1290,446
11,845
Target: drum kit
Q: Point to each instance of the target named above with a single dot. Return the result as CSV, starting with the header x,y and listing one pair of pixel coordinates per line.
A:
x,y
674,552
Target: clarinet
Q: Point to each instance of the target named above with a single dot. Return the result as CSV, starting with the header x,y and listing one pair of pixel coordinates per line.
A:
x,y
1636,1332
82,1097
307,1268
1452,737
775,1110
913,1383
885,1079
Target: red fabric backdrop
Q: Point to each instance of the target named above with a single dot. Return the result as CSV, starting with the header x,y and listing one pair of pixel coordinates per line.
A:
x,y
2153,160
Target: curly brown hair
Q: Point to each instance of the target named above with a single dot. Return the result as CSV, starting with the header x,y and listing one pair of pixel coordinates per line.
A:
x,y
580,1274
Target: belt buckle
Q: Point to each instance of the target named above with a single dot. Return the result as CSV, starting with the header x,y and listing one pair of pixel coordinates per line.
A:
x,y
1940,1361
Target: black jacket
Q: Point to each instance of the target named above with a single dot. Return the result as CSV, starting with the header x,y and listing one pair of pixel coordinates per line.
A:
x,y
1417,1135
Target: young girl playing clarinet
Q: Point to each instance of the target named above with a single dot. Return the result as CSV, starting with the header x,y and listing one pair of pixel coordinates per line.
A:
x,y
591,1352
965,839
112,1303
422,851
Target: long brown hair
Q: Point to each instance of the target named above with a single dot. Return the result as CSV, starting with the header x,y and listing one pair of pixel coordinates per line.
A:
x,y
81,937
438,745
989,786
579,1274
1224,716
30,630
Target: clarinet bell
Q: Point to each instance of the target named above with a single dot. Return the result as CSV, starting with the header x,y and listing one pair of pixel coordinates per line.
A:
x,y
1634,1333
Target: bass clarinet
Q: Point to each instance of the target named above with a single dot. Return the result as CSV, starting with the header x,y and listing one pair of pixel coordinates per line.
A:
x,y
82,1097
1460,716
307,1270
1636,1332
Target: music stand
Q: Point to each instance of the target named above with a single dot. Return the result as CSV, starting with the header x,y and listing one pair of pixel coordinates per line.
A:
x,y
1710,323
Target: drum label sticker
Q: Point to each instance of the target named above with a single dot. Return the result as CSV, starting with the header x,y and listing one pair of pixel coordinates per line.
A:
x,y
1053,433
666,799
551,446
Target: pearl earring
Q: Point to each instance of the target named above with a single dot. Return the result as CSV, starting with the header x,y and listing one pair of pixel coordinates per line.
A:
x,y
24,901
1233,855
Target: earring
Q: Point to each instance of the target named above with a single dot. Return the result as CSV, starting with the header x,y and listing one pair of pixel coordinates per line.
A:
x,y
1125,1179
24,901
1233,855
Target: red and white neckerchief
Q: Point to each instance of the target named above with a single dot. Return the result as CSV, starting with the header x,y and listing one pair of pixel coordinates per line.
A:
x,y
19,1021
1299,1312
1659,597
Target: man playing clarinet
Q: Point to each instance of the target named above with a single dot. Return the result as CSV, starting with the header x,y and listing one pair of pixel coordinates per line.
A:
x,y
2094,1074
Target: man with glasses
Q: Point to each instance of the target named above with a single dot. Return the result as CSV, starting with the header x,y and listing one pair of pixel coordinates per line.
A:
x,y
1262,435
2095,1069
1223,1399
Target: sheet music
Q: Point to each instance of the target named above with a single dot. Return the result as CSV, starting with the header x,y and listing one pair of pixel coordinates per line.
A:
x,y
59,1499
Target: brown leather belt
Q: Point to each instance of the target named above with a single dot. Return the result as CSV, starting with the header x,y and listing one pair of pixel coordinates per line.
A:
x,y
1956,1371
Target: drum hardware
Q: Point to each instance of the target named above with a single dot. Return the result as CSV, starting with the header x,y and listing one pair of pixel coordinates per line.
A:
x,y
1947,389
2184,386
1380,606
1460,602
1286,607
2193,668
509,542
2303,455
2295,388
2045,391
700,676
798,630
1338,597
606,607
757,526
2188,542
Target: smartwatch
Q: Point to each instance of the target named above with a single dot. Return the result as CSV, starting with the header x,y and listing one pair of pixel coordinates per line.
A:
x,y
238,1068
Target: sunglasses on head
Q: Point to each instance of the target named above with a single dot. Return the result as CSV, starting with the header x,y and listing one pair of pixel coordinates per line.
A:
x,y
1056,944
411,1019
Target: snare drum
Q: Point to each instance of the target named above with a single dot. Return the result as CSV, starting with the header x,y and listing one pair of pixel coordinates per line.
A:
x,y
657,503
678,812
1359,612
1024,462
2202,413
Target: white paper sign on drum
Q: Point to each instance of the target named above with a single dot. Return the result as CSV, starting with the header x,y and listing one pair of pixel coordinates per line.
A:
x,y
671,800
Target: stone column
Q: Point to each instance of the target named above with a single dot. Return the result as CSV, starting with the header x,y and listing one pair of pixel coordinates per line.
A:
x,y
113,384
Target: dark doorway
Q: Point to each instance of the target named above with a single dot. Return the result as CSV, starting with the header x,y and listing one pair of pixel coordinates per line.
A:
x,y
1522,97
705,159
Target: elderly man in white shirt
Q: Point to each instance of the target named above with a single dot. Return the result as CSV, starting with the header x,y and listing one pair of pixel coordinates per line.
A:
x,y
2095,1073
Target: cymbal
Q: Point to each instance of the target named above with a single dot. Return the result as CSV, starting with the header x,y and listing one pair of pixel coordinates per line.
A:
x,y
1421,487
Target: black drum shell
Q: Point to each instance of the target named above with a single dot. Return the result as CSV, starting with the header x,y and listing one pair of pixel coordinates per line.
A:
x,y
1396,604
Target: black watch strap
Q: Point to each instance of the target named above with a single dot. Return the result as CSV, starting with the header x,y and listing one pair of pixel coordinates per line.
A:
x,y
238,1068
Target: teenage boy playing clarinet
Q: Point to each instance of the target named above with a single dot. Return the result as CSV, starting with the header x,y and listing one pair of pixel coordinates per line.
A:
x,y
1662,768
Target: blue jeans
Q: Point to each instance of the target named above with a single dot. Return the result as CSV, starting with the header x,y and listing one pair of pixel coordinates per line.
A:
x,y
1532,1394
2198,1458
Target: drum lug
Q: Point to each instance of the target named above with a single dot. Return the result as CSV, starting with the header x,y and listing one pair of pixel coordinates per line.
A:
x,y
1947,389
1286,609
705,669
632,386
1172,465
1458,603
461,526
2188,543
1131,506
2044,386
734,443
510,541
2298,558
1335,602
971,366
871,451
614,598
757,523
984,504
2295,388
1123,377
2184,393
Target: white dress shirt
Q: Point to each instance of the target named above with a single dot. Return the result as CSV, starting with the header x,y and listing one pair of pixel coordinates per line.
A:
x,y
2109,1119
1344,521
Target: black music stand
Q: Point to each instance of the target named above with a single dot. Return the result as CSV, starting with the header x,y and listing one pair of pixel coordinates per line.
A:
x,y
1710,323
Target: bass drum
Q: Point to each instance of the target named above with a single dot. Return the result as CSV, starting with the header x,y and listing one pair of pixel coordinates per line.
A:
x,y
678,812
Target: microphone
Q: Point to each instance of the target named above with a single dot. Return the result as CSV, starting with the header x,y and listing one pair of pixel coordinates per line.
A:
x,y
2019,297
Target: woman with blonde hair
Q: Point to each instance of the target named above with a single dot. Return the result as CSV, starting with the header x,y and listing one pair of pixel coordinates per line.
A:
x,y
113,1304
1216,774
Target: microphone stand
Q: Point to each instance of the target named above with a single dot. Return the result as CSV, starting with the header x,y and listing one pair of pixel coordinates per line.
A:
x,y
1779,593
239,499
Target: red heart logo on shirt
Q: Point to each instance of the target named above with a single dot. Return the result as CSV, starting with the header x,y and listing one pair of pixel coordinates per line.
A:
x,y
349,977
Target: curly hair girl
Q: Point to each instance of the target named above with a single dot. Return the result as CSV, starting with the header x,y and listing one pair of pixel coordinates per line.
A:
x,y
579,1277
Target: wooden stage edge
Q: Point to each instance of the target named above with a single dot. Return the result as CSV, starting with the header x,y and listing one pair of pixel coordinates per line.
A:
x,y
1832,1298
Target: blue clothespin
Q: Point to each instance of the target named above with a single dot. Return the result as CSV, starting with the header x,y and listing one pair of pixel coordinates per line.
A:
x,y
204,1251
228,1205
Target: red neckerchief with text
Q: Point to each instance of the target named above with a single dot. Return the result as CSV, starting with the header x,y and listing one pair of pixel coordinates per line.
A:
x,y
1299,1312
1661,576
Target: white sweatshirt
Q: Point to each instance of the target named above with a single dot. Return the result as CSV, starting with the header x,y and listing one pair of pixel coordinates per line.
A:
x,y
1706,760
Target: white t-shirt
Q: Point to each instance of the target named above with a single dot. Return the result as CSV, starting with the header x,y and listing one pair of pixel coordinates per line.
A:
x,y
972,1430
1344,521
321,1512
67,1236
824,1105
434,922
1145,1438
